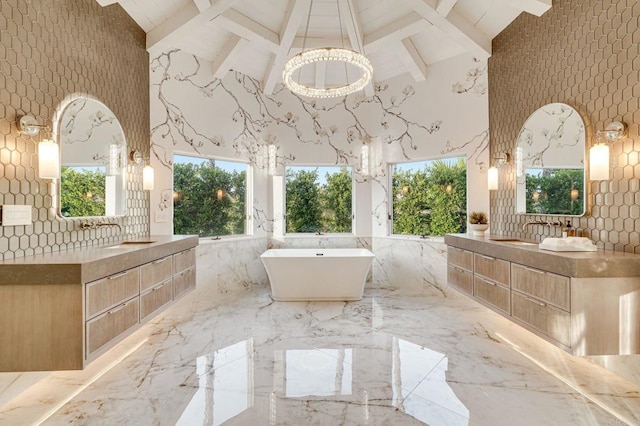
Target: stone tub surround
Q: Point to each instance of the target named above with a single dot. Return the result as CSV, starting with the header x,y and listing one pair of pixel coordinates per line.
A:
x,y
600,264
90,263
402,360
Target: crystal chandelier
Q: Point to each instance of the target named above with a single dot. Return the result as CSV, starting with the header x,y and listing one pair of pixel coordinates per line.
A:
x,y
327,54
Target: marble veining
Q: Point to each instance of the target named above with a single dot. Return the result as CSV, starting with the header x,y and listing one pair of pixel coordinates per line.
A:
x,y
392,358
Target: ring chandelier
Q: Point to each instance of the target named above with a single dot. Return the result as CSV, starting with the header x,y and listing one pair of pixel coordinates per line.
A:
x,y
326,54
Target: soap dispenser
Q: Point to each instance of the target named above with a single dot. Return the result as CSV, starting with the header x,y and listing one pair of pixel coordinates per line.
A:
x,y
568,230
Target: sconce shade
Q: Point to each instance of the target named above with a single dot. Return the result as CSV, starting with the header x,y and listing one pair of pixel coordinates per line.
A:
x,y
364,160
272,159
492,178
599,162
147,178
48,160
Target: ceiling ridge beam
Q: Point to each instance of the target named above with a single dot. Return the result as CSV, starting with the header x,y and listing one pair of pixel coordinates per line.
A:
x,y
295,13
411,58
395,31
534,7
181,23
455,26
354,31
245,27
223,62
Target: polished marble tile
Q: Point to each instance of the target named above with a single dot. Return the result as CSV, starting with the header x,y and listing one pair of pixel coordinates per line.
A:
x,y
390,359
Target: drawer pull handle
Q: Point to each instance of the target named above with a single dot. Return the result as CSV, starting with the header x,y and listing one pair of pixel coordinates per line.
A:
x,y
113,277
487,257
490,283
179,274
159,286
537,271
155,262
459,269
116,309
537,302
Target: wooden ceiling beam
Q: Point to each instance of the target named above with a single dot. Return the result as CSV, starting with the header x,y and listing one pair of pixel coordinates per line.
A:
x,y
183,22
296,11
354,31
245,27
445,6
455,26
411,59
534,7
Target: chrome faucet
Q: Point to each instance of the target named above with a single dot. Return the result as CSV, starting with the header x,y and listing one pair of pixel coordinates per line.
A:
x,y
540,222
96,225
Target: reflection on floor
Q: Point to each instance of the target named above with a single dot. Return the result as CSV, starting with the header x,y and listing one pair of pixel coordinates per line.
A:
x,y
392,358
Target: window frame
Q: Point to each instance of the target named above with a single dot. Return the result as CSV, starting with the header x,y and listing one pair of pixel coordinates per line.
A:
x,y
248,192
391,165
353,199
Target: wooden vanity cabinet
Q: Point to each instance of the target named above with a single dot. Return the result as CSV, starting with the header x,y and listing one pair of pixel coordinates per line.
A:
x,y
156,286
184,266
460,269
491,282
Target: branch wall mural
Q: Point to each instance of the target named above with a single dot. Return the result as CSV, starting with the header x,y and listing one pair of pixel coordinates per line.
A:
x,y
192,113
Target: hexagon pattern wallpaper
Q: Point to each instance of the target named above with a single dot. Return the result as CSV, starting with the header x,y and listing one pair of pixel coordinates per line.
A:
x,y
586,54
51,51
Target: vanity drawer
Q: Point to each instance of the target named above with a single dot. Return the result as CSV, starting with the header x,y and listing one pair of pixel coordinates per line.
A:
x,y
184,260
103,328
155,298
111,291
496,270
460,257
184,281
492,293
460,278
155,273
549,287
549,320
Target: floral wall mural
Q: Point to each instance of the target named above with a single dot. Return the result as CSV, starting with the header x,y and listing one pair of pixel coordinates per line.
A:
x,y
444,116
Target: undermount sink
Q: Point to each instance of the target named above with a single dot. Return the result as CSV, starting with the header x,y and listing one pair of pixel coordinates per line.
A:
x,y
513,241
126,244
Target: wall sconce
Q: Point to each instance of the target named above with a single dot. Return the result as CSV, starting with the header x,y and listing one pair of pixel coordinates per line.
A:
x,y
48,150
599,153
272,159
492,172
147,171
364,160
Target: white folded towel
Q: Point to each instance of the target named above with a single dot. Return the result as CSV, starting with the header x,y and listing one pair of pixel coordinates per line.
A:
x,y
567,244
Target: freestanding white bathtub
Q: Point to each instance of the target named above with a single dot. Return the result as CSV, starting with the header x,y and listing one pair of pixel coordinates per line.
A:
x,y
317,274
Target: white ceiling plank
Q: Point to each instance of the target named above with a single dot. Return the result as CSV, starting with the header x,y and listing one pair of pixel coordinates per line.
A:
x,y
534,7
321,74
394,32
445,6
411,58
224,60
104,3
296,11
183,22
248,29
354,31
314,42
202,5
456,27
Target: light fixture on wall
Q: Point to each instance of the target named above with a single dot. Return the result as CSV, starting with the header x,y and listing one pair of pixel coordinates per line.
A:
x,y
599,153
325,55
272,159
364,160
136,157
48,150
492,173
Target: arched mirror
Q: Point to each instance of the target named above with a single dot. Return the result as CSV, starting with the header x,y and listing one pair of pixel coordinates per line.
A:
x,y
549,162
93,160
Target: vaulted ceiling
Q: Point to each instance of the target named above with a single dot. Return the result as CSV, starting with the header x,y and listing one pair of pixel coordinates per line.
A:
x,y
256,37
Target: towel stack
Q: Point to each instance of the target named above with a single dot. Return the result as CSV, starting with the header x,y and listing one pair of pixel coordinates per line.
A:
x,y
567,244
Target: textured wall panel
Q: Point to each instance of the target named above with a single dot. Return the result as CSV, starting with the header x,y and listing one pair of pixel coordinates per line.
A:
x,y
50,50
584,53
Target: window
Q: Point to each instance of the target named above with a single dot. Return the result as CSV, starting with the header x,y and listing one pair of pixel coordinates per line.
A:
x,y
318,199
429,197
209,196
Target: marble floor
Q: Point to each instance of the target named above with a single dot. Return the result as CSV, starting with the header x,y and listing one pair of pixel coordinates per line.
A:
x,y
390,359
